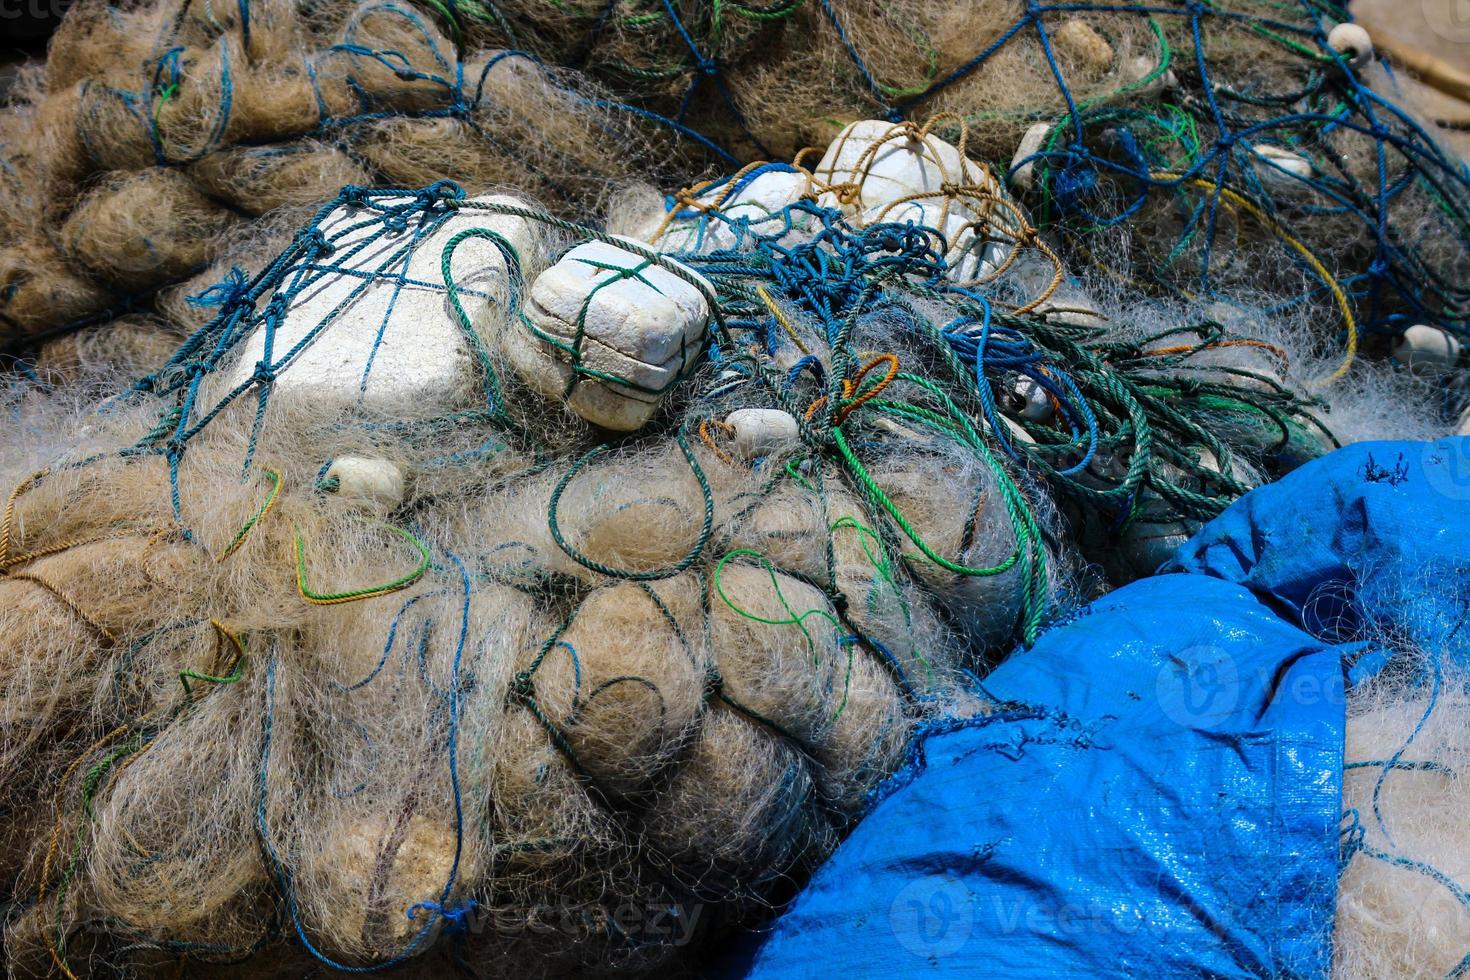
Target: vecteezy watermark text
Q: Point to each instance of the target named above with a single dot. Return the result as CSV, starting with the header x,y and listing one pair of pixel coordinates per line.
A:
x,y
36,10
667,924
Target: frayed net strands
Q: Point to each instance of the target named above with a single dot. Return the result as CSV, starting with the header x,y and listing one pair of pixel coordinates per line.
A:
x,y
1403,899
480,570
454,671
155,134
1258,158
1202,151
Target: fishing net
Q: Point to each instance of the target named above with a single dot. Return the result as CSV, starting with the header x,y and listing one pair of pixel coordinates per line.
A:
x,y
459,583
1402,905
1211,150
155,133
1252,155
477,587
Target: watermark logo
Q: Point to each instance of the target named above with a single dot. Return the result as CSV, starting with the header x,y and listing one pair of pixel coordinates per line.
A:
x,y
1450,19
31,20
932,917
1447,466
37,10
1198,687
1094,917
671,924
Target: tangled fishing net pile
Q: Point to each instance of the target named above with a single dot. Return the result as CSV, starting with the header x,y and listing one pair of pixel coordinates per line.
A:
x,y
1153,140
449,583
156,134
438,647
1254,156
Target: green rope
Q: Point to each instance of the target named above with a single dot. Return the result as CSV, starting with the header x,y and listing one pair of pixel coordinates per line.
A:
x,y
367,591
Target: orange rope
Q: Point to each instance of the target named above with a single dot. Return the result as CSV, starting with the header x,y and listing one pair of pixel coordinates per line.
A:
x,y
849,387
725,427
1281,354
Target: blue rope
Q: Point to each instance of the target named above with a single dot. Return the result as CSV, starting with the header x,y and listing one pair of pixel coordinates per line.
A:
x,y
453,916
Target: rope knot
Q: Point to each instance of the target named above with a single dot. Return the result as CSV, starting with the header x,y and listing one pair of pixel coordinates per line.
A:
x,y
522,690
264,373
275,310
685,198
1075,179
443,190
225,293
456,918
320,243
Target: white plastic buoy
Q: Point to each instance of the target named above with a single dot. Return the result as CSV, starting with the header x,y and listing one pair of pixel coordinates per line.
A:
x,y
1427,350
884,172
612,333
903,432
1280,165
1015,432
375,484
762,431
967,256
761,199
878,162
1209,463
1030,400
1210,466
1353,43
1031,141
408,361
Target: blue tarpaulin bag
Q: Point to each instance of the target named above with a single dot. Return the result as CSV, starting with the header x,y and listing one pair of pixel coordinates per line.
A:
x,y
1157,788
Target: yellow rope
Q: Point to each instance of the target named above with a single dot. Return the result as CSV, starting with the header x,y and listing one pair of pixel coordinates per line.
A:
x,y
1344,306
781,319
239,539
